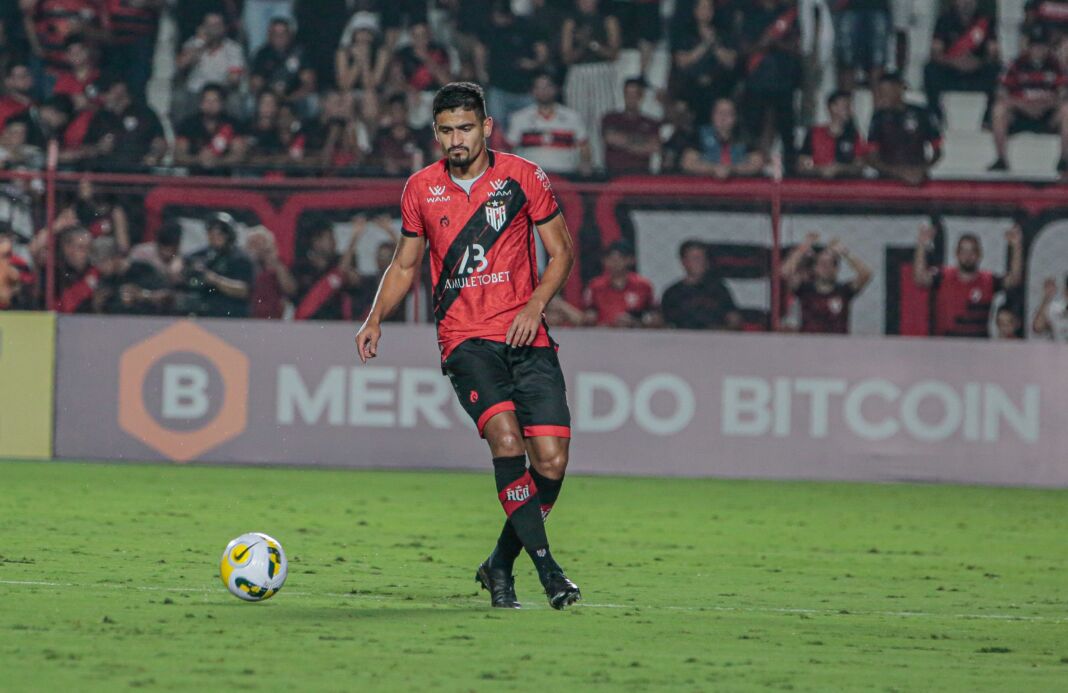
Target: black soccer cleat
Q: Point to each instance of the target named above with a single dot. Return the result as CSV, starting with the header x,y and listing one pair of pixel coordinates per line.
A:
x,y
561,591
500,584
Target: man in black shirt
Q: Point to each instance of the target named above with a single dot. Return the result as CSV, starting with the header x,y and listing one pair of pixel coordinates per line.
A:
x,y
515,53
280,66
901,133
125,132
964,56
219,277
130,287
699,301
210,138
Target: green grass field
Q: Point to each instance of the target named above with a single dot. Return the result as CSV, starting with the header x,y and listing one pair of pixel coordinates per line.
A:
x,y
108,580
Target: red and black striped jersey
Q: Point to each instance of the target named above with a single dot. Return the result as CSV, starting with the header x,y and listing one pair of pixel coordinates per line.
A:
x,y
54,21
130,20
1025,80
483,263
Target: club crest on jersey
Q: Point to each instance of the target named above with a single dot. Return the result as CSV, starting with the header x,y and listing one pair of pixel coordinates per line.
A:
x,y
496,214
437,194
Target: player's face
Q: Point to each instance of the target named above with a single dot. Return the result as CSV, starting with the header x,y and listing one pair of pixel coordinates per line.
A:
x,y
969,255
461,135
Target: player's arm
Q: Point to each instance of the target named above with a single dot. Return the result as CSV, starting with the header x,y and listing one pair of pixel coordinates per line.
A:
x,y
396,283
1015,238
557,242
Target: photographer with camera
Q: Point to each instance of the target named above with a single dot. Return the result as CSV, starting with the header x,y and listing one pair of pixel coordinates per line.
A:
x,y
218,278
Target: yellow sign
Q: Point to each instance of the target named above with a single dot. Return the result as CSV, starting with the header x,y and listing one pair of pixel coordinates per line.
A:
x,y
27,367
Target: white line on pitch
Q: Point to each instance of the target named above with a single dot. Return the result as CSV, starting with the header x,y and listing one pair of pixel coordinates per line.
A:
x,y
636,607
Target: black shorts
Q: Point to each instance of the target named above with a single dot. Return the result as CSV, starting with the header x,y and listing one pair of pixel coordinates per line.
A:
x,y
492,377
1045,124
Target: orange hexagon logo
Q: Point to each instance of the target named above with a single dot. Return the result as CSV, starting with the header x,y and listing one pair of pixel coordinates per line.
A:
x,y
187,338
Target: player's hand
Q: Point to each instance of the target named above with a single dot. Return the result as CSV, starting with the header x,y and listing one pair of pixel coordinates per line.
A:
x,y
367,341
525,327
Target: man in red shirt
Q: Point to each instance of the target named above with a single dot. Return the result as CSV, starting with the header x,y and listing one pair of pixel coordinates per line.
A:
x,y
1031,98
630,137
620,297
963,295
477,210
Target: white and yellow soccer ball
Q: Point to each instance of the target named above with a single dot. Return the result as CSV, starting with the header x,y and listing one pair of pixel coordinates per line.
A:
x,y
253,567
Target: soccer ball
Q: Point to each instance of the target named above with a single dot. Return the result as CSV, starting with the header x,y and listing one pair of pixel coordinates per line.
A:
x,y
253,567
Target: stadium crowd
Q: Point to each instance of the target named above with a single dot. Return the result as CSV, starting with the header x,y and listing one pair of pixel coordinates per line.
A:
x,y
343,87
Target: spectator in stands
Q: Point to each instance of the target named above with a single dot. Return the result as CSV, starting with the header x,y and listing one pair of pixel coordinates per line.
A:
x,y
274,283
620,297
16,277
131,49
509,59
163,253
125,132
631,138
700,300
324,277
364,289
17,97
771,51
963,295
718,151
49,23
560,313
320,27
258,19
1007,324
589,44
210,138
101,215
126,286
80,81
339,138
704,61
1053,14
49,121
680,120
291,135
76,279
1051,317
904,140
549,133
209,58
218,277
424,61
362,58
824,300
836,149
1032,99
15,148
964,56
264,140
398,148
862,38
281,67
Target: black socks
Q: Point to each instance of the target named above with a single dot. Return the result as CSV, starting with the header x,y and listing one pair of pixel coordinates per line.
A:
x,y
509,543
518,494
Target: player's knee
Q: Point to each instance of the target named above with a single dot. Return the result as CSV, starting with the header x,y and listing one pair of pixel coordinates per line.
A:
x,y
553,466
507,443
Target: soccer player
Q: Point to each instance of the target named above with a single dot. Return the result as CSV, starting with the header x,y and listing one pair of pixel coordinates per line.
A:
x,y
477,209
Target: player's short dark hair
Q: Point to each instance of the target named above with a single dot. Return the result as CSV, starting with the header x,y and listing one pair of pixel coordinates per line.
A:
x,y
969,237
464,95
689,245
170,234
838,94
